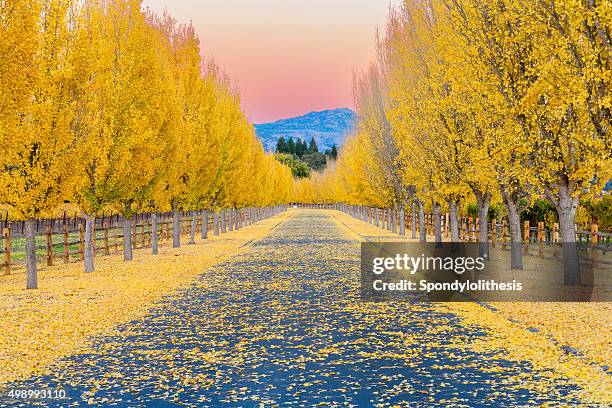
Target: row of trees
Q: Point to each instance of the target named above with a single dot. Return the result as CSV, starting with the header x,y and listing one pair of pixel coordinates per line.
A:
x,y
300,148
297,147
301,157
111,107
484,100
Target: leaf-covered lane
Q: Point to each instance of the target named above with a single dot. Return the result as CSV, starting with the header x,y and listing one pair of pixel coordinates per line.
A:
x,y
282,323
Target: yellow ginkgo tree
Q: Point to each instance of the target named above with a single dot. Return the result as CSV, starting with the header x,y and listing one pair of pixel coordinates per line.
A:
x,y
123,147
37,124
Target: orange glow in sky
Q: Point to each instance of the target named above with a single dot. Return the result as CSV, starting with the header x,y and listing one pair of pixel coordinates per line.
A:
x,y
287,57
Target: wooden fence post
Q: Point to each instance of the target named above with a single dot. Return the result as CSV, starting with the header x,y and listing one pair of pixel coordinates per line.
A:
x,y
136,238
66,245
150,231
504,230
143,236
162,231
432,224
160,227
106,247
6,247
526,235
116,236
49,245
540,238
469,228
556,232
167,228
447,225
81,241
493,232
594,236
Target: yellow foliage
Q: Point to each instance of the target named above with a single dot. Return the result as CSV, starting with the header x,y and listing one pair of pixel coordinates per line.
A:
x,y
482,98
110,107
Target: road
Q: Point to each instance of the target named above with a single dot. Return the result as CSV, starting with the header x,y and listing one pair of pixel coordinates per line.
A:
x,y
281,324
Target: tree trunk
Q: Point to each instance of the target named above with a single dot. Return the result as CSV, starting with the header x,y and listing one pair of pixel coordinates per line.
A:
x,y
154,242
437,224
31,273
402,221
176,228
204,224
231,219
389,220
453,209
90,225
237,219
194,224
414,219
483,201
127,239
514,221
216,224
376,220
566,208
422,229
223,221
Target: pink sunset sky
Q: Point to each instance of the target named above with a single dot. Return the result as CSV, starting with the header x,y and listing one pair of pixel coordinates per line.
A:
x,y
287,57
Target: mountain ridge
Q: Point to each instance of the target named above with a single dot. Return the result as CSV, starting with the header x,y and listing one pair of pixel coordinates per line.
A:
x,y
328,127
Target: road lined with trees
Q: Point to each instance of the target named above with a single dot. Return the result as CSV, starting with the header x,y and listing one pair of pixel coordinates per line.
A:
x,y
282,323
493,102
479,120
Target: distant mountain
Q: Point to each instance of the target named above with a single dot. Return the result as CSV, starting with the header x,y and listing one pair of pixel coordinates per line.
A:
x,y
328,127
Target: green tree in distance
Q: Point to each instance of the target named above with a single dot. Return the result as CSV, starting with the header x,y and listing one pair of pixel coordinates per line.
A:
x,y
281,145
